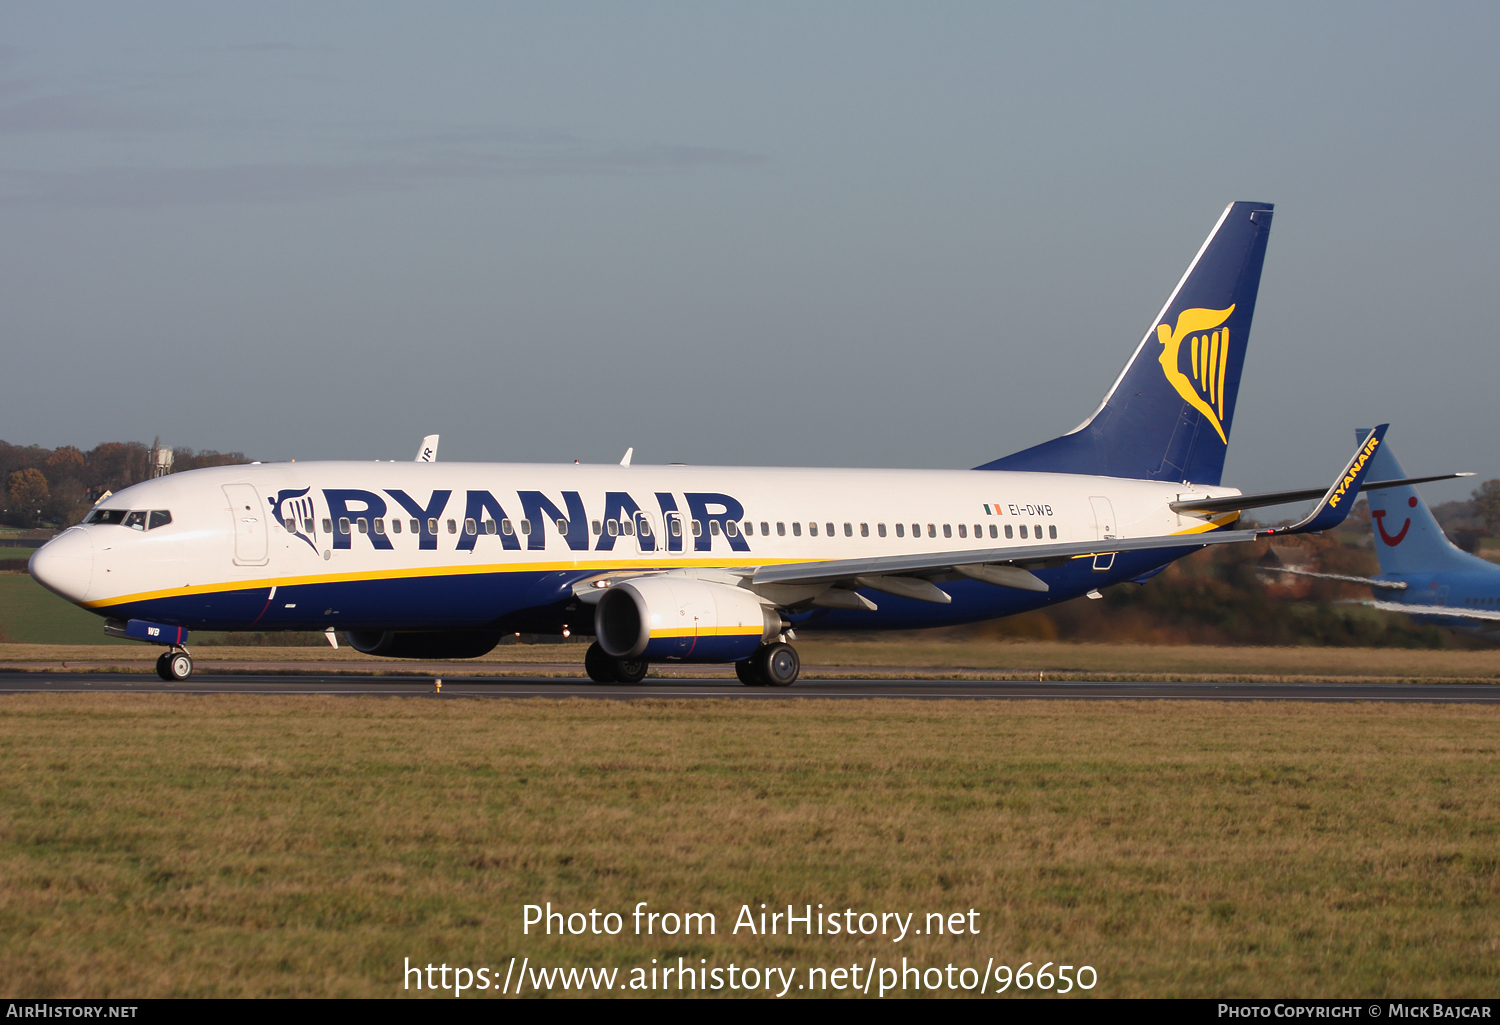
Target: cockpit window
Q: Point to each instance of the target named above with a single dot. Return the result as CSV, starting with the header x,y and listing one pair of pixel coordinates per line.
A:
x,y
136,519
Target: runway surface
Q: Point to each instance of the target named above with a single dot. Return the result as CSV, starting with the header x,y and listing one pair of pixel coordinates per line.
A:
x,y
511,687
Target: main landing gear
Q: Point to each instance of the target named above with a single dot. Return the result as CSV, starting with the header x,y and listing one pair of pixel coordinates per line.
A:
x,y
174,665
605,668
771,665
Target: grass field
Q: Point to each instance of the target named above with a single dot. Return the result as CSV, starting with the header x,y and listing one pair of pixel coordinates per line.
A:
x,y
29,613
162,845
825,656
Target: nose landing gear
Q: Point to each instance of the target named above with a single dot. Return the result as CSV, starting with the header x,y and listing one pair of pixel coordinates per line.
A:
x,y
174,665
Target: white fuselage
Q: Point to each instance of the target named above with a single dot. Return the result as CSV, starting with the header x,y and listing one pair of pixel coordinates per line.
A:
x,y
438,545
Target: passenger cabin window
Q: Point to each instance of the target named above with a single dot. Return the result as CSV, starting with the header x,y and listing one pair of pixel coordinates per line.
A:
x,y
765,529
627,527
697,527
731,528
613,526
328,527
963,530
916,530
797,528
993,531
749,529
1008,531
979,530
597,527
1023,532
490,526
290,525
307,525
812,530
470,528
830,529
1052,531
848,530
947,530
432,527
506,527
453,526
900,530
864,530
676,526
379,525
526,527
395,526
932,530
343,524
416,526
363,524
645,527
562,526
1038,529
880,528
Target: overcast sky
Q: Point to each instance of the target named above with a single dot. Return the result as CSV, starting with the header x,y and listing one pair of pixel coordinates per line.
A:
x,y
829,234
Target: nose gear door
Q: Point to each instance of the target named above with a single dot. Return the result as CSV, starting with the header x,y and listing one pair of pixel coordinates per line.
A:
x,y
251,525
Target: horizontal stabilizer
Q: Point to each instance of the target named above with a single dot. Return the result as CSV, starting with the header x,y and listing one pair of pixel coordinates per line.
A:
x,y
1391,585
1234,503
1433,610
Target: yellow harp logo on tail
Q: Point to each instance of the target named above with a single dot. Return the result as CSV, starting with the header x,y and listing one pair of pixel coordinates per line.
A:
x,y
1209,354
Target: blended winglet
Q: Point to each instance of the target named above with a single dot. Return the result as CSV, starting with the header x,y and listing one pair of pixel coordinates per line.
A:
x,y
427,452
1339,499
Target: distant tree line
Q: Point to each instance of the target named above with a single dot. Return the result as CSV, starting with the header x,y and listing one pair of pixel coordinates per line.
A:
x,y
57,486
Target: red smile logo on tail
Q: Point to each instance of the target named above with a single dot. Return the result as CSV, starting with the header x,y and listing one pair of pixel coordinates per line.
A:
x,y
1379,516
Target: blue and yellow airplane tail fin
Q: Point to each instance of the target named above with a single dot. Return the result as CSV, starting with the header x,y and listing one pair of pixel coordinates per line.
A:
x,y
1407,536
1168,414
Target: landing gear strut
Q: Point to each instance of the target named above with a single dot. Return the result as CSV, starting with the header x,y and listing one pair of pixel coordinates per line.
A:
x,y
174,665
605,668
772,665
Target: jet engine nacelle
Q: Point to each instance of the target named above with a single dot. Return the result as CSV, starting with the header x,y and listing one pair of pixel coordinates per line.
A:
x,y
406,644
680,618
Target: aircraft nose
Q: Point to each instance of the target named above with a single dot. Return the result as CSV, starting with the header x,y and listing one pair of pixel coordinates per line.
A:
x,y
65,565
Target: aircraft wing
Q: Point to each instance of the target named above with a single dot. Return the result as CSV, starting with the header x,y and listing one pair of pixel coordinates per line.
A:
x,y
1433,610
1016,555
1008,566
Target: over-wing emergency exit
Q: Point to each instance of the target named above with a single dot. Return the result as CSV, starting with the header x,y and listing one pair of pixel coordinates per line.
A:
x,y
701,564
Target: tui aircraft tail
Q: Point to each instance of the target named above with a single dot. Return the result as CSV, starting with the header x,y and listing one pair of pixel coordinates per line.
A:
x,y
1168,414
1407,536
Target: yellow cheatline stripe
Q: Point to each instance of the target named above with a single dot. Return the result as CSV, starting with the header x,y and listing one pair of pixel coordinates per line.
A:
x,y
436,571
412,573
709,631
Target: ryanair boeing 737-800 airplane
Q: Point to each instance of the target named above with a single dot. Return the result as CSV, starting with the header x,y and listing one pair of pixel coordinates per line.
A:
x,y
700,564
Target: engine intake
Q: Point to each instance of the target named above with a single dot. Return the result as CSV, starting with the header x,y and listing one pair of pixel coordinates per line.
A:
x,y
679,618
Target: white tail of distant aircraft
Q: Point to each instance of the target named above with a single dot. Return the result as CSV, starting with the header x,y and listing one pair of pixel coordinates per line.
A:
x,y
701,564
